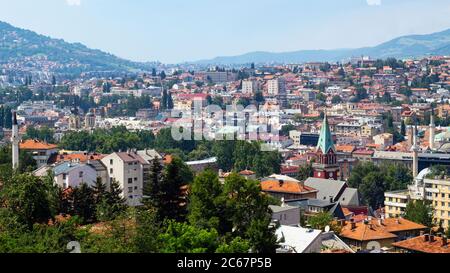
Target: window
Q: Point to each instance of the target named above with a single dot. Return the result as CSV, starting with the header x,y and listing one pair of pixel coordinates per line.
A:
x,y
135,179
111,161
64,176
80,174
111,170
130,180
130,190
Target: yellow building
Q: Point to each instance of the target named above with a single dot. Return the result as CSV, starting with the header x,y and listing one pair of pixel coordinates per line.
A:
x,y
436,190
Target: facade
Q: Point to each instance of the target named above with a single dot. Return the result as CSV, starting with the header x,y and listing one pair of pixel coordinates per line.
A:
x,y
435,190
286,215
72,175
276,87
41,151
127,168
250,87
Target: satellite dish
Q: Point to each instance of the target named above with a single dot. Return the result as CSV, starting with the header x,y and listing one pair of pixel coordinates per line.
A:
x,y
373,245
327,229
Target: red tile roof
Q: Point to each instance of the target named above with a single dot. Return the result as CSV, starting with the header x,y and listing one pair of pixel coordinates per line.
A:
x,y
372,230
419,244
285,187
32,144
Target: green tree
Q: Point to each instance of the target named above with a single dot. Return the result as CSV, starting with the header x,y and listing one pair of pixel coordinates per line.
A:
x,y
152,190
83,201
184,238
322,220
29,198
250,220
172,200
419,211
305,172
206,206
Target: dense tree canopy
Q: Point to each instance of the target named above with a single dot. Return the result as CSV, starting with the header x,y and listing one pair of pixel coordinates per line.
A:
x,y
372,181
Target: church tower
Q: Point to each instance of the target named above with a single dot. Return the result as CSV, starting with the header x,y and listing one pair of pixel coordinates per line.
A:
x,y
15,139
326,167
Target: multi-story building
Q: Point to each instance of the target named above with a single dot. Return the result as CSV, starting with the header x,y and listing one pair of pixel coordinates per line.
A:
x,y
69,174
276,86
250,86
127,168
40,151
433,189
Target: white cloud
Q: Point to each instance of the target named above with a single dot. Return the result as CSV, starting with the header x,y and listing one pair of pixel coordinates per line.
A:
x,y
73,2
373,2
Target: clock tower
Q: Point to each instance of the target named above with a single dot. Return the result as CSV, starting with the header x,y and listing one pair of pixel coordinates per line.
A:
x,y
326,167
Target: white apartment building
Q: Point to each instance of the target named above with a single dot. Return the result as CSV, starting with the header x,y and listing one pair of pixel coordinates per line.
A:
x,y
250,86
276,86
69,174
128,169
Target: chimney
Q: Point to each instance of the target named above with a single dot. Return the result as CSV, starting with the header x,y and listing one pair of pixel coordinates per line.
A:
x,y
426,238
353,224
281,182
432,239
444,241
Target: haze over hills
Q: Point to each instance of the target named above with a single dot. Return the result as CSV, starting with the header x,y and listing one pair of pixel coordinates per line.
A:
x,y
21,47
26,50
402,47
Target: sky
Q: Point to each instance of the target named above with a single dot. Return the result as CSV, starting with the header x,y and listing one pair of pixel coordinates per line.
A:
x,y
173,31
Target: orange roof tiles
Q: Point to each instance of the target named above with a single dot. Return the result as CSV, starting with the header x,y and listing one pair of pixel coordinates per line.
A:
x,y
31,144
345,148
81,157
285,186
419,244
374,231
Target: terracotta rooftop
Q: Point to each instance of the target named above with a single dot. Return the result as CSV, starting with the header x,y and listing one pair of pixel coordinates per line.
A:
x,y
419,244
374,231
247,172
345,148
32,144
81,157
285,186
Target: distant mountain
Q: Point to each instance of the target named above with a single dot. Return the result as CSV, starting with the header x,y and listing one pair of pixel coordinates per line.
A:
x,y
403,47
27,49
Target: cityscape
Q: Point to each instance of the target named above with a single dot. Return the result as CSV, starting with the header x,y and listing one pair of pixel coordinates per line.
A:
x,y
325,151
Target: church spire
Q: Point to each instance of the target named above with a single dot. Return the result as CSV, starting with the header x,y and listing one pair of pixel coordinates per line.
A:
x,y
325,143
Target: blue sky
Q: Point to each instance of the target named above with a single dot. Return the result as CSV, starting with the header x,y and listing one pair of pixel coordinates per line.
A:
x,y
186,30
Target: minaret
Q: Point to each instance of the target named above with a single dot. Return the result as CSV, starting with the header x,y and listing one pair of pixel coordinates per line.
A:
x,y
15,141
432,130
415,150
